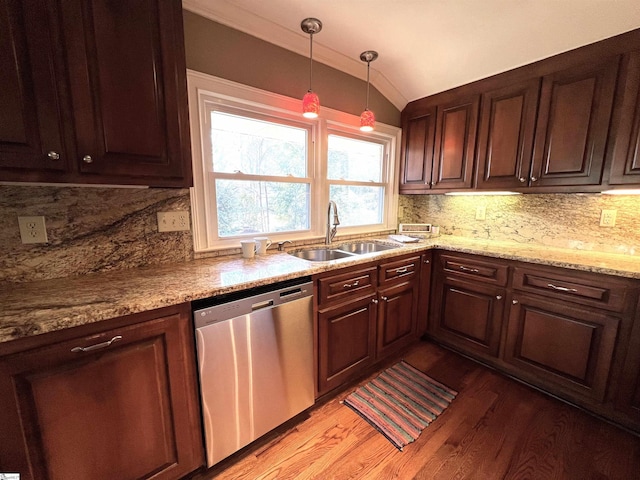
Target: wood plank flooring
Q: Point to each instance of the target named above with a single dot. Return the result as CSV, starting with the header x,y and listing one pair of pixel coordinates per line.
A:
x,y
496,428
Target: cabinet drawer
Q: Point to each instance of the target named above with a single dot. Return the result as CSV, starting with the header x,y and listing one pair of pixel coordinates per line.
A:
x,y
339,287
480,270
404,270
582,288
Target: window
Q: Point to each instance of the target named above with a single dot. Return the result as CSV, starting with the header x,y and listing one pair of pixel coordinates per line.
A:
x,y
260,168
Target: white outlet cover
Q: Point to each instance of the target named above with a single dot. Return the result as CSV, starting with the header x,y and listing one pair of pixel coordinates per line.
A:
x,y
33,230
177,221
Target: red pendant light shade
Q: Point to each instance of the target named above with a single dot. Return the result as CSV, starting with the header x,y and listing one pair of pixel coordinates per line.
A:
x,y
368,119
310,105
310,101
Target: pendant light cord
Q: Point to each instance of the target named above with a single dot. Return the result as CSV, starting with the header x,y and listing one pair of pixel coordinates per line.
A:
x,y
367,105
310,60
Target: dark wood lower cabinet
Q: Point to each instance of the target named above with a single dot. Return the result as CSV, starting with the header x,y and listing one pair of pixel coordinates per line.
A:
x,y
346,337
396,317
561,346
468,315
124,407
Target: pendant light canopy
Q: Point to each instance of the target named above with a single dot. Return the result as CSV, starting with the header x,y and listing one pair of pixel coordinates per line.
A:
x,y
368,119
310,102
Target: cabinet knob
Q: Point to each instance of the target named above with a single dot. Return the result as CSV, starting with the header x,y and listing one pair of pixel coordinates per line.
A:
x,y
374,300
53,155
432,184
427,262
384,299
498,297
534,179
514,301
87,159
522,179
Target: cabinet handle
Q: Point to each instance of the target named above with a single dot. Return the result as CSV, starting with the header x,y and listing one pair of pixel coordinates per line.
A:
x,y
97,346
522,179
402,270
498,297
467,269
384,299
87,159
53,155
534,179
351,285
374,300
561,289
514,301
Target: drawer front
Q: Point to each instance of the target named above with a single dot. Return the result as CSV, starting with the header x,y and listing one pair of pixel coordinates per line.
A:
x,y
401,270
481,270
583,288
339,287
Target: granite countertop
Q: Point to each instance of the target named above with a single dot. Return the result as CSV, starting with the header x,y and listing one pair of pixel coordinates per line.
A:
x,y
34,308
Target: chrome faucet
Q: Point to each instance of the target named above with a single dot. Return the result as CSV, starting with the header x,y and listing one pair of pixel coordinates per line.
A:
x,y
331,232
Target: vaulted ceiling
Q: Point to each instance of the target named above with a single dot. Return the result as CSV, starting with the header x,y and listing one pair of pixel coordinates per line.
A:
x,y
427,46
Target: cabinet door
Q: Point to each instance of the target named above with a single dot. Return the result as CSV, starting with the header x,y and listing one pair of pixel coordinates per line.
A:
x,y
30,109
417,157
505,138
625,168
125,409
628,392
128,83
561,347
346,337
455,143
397,315
468,315
573,124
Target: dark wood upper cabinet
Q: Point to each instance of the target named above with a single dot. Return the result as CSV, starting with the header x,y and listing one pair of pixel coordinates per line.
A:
x,y
417,156
31,115
625,167
573,124
505,137
455,143
124,72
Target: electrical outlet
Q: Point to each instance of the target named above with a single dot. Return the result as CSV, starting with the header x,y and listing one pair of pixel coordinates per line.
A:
x,y
32,230
481,212
608,218
173,221
401,212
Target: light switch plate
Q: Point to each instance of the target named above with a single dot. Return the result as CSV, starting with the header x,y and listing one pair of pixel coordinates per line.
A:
x,y
177,221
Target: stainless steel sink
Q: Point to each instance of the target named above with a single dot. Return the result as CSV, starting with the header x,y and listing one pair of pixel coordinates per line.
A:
x,y
346,250
321,254
360,248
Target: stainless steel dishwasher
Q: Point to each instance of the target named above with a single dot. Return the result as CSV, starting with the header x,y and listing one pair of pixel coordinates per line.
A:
x,y
255,361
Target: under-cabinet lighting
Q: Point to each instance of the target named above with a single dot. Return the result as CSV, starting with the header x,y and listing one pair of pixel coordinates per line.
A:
x,y
622,191
480,192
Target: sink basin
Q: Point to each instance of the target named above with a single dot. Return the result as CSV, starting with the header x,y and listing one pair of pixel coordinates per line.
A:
x,y
321,254
360,248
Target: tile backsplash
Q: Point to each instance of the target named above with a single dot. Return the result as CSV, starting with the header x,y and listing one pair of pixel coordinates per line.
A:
x,y
90,229
557,220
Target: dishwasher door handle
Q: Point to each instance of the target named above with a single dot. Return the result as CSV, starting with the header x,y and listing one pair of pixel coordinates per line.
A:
x,y
261,305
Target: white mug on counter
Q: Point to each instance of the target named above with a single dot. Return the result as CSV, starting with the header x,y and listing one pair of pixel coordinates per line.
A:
x,y
248,248
262,243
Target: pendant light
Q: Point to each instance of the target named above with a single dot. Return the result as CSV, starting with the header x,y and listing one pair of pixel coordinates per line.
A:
x,y
368,119
310,102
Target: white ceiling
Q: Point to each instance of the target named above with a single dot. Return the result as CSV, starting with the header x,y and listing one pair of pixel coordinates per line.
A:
x,y
426,46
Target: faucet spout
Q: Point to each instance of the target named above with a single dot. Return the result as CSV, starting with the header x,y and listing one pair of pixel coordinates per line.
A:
x,y
331,232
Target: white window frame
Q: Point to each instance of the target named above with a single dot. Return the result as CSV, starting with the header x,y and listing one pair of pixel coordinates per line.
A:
x,y
206,90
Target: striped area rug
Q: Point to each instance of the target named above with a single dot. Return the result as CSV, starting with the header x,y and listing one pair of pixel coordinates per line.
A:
x,y
400,402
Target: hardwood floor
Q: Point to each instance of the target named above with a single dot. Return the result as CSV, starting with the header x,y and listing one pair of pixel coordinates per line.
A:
x,y
496,428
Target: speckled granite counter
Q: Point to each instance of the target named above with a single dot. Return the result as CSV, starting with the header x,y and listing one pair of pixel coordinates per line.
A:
x,y
50,305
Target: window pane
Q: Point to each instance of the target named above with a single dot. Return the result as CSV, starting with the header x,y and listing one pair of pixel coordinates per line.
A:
x,y
357,160
261,207
358,205
257,147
